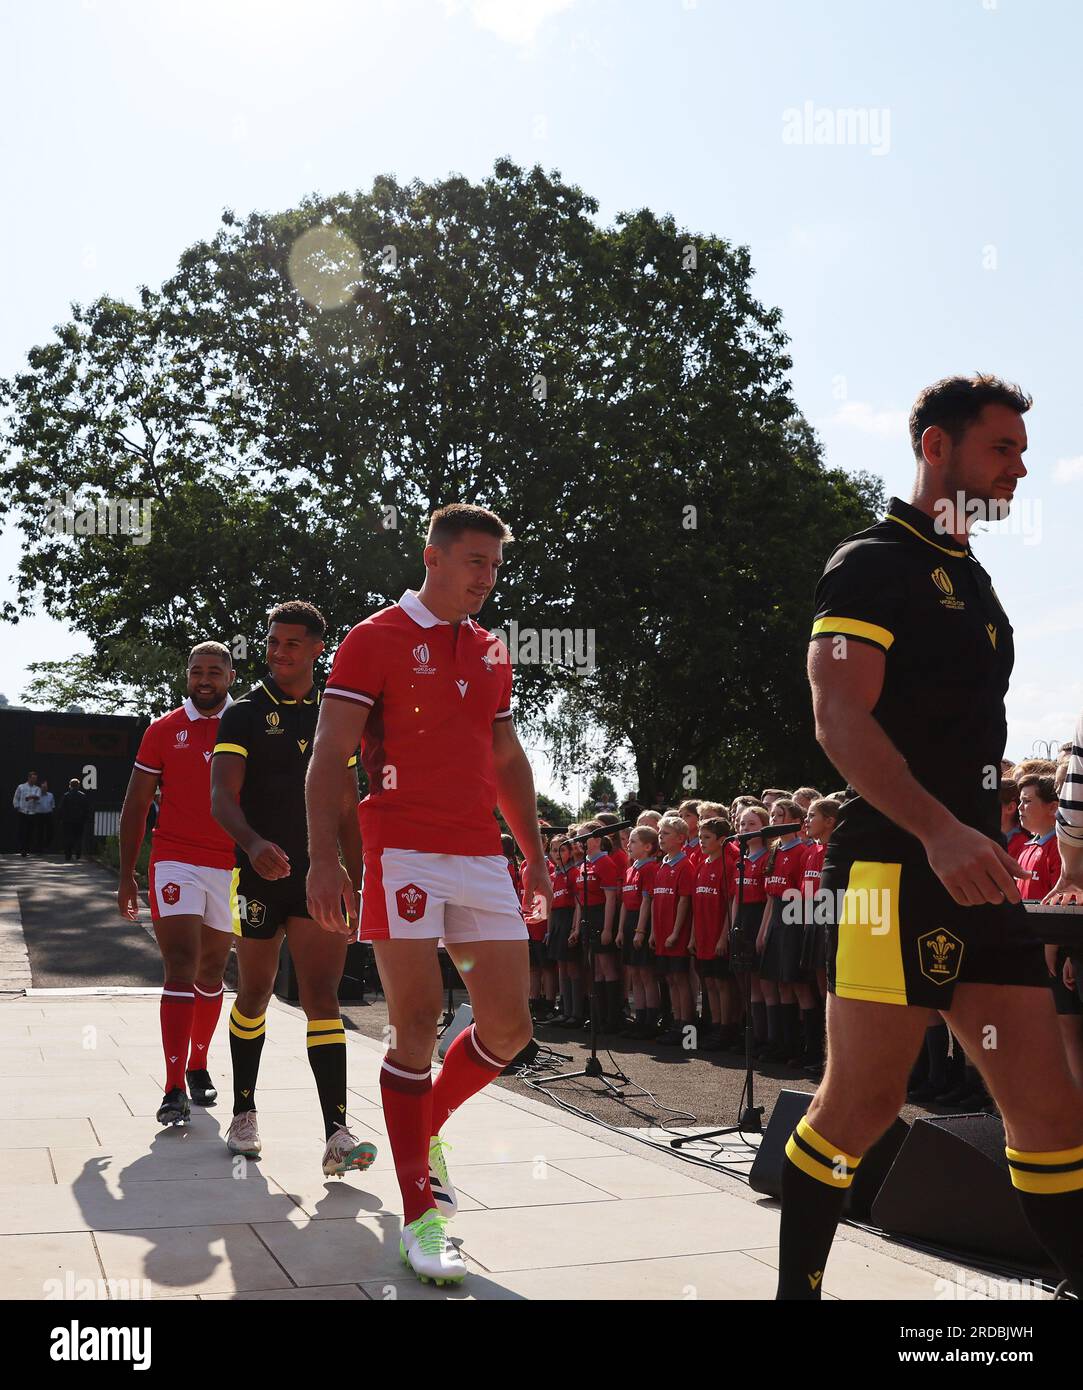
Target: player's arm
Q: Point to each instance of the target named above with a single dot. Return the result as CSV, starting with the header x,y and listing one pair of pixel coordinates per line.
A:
x,y
349,839
338,734
518,803
846,683
133,826
227,779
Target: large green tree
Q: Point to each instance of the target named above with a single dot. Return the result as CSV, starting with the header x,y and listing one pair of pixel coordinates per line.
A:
x,y
309,385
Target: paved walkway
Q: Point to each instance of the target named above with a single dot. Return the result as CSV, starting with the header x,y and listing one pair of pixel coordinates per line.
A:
x,y
551,1207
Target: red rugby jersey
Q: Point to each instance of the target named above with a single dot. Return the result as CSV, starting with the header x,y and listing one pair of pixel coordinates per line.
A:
x,y
709,904
753,890
638,880
1017,842
1041,859
562,896
600,875
177,749
620,858
785,873
433,692
675,879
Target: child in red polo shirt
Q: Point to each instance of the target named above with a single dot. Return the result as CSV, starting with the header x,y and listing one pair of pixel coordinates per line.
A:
x,y
633,930
565,957
709,914
671,923
785,990
746,919
819,823
601,894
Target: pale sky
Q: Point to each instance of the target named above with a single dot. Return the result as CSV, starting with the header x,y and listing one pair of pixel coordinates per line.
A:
x,y
942,237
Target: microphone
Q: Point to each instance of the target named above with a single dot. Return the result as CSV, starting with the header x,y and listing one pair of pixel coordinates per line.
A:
x,y
605,830
769,832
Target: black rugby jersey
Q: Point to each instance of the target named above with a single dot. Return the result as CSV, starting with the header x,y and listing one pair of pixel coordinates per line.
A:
x,y
274,735
911,590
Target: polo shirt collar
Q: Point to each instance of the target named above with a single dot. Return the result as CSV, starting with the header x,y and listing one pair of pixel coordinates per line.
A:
x,y
193,713
277,694
412,606
1044,839
920,524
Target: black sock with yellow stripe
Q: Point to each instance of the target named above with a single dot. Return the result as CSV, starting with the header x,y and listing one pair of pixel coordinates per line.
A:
x,y
245,1046
1050,1190
815,1179
327,1058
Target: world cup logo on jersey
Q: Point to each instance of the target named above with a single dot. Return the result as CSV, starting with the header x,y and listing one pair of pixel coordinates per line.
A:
x,y
182,738
421,656
410,902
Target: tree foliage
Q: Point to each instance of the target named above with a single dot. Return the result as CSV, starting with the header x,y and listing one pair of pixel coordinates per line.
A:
x,y
310,384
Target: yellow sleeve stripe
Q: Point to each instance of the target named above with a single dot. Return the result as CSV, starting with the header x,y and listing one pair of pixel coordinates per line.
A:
x,y
853,627
231,748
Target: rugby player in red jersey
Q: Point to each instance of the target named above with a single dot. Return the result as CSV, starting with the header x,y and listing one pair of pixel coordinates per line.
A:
x,y
191,866
427,692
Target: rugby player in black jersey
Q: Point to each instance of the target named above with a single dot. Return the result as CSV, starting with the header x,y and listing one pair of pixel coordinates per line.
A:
x,y
909,663
258,796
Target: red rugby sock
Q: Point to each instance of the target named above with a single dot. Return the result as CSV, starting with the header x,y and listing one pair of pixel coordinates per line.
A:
x,y
468,1067
178,1008
208,1007
407,1097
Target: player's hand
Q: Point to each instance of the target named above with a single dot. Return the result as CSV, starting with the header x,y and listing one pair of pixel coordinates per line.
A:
x,y
536,879
128,899
973,868
1050,953
607,936
1069,974
328,886
573,937
267,859
671,941
1064,891
619,941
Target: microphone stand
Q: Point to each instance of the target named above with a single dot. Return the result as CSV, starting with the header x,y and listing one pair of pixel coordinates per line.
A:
x,y
592,1067
750,1120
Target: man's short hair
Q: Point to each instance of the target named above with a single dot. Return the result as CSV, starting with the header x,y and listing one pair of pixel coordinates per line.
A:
x,y
1047,791
218,649
772,791
299,613
448,523
954,402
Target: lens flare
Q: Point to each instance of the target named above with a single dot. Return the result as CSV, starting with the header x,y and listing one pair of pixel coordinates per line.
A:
x,y
325,267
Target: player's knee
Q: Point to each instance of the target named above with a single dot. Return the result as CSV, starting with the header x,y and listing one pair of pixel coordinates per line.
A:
x,y
414,1027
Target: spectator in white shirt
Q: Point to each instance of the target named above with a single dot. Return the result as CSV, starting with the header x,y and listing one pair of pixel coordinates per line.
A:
x,y
26,799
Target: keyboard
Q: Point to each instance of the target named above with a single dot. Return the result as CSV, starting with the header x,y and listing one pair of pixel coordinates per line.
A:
x,y
1057,924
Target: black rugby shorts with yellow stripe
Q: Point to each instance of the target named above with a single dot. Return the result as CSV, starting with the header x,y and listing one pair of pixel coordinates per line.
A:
x,y
896,936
